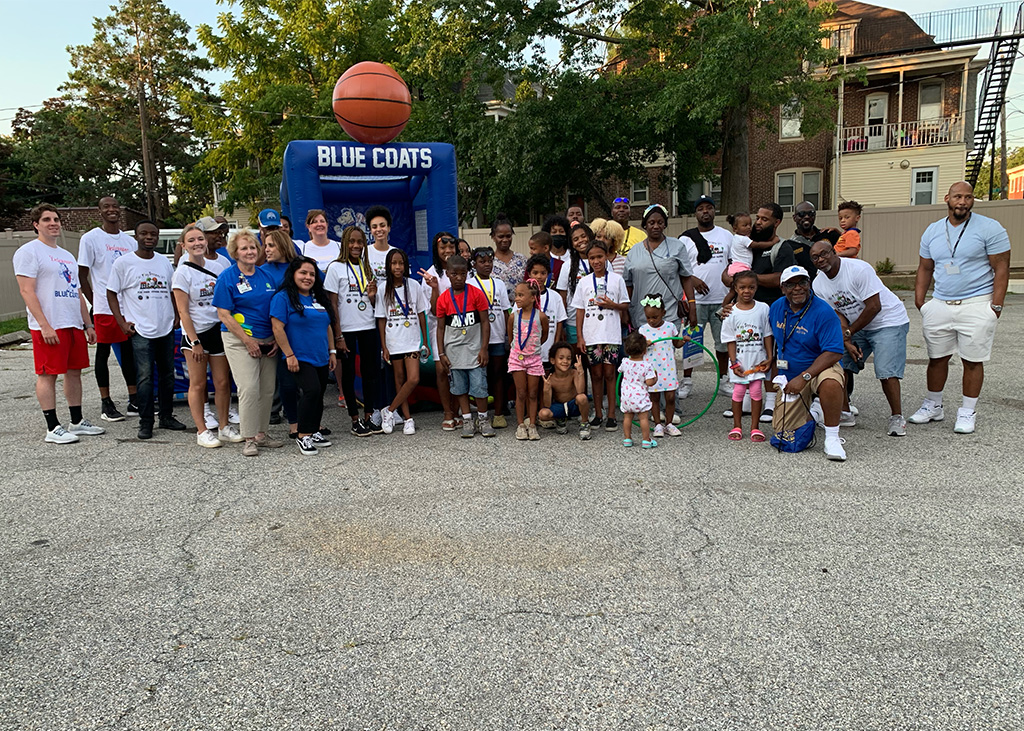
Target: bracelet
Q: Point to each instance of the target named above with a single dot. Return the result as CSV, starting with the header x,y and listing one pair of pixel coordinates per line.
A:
x,y
290,355
333,352
691,300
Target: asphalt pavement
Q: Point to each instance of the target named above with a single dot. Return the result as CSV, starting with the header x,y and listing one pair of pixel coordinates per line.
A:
x,y
430,582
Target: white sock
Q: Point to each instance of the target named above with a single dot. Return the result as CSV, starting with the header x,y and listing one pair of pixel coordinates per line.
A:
x,y
467,417
688,380
831,431
769,400
934,396
483,415
969,404
847,413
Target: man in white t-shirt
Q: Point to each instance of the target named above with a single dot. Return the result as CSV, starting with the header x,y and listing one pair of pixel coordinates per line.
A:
x,y
874,320
139,295
97,251
59,320
708,246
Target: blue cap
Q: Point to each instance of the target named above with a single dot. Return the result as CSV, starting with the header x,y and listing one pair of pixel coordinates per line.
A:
x,y
269,217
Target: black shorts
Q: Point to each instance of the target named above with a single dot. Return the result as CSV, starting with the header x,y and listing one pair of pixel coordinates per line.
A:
x,y
211,341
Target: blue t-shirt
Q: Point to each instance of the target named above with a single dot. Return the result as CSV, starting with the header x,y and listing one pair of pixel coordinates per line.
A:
x,y
819,331
982,237
250,305
276,270
223,251
306,331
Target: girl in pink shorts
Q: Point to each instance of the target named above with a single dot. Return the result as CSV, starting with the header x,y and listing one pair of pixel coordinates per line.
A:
x,y
527,329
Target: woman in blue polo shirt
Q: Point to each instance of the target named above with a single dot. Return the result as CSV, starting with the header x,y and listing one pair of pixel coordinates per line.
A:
x,y
242,298
304,325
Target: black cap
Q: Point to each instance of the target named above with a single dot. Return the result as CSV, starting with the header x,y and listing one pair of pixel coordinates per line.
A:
x,y
704,199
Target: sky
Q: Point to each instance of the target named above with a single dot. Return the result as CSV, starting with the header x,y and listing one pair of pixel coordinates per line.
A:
x,y
34,63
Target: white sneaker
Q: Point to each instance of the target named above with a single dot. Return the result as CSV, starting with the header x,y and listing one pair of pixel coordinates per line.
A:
x,y
746,402
727,413
817,413
929,411
375,417
684,390
965,421
767,416
834,449
86,428
410,427
208,439
58,435
673,431
210,418
854,410
897,426
676,420
233,417
846,418
387,420
725,387
231,434
396,418
659,430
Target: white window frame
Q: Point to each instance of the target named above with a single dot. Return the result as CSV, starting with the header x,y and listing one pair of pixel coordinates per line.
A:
x,y
913,185
636,198
920,95
790,136
799,186
876,133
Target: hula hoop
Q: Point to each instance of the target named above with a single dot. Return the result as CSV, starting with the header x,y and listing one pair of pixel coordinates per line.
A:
x,y
718,380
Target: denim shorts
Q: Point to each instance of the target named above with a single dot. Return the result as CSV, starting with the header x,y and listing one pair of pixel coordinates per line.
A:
x,y
889,344
497,350
570,334
469,380
566,410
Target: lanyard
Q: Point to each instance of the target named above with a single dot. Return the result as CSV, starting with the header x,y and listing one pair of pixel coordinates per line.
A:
x,y
465,299
586,269
594,275
405,309
547,294
489,296
785,323
519,328
360,278
952,247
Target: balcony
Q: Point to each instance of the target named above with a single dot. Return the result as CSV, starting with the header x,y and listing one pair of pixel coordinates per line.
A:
x,y
897,136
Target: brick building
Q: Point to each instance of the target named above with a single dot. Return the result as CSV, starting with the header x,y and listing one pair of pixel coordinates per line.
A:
x,y
78,219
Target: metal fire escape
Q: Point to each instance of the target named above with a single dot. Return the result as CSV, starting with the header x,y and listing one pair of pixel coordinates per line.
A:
x,y
971,25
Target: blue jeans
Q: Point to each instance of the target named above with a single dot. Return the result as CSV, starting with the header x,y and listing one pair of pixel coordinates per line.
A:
x,y
150,352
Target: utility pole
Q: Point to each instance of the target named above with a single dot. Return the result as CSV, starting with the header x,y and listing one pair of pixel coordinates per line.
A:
x,y
1004,181
147,158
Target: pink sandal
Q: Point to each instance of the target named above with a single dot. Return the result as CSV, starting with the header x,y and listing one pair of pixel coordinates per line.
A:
x,y
736,435
756,435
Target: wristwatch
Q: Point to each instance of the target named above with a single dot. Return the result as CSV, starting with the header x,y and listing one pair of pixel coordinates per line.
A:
x,y
997,308
848,333
807,376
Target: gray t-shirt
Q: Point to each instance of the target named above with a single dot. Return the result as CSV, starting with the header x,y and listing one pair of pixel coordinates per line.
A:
x,y
463,330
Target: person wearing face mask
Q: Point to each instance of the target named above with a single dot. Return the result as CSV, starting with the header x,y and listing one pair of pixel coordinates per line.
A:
x,y
558,227
620,214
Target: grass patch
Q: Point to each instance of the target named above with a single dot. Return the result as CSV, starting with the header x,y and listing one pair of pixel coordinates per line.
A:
x,y
13,325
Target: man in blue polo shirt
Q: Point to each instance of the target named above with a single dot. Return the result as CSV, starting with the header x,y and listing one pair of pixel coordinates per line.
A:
x,y
969,256
809,345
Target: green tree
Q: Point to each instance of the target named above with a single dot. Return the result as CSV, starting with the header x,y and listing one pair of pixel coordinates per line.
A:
x,y
142,51
1014,157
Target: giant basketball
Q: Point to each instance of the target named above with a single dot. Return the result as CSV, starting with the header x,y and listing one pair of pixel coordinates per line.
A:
x,y
372,103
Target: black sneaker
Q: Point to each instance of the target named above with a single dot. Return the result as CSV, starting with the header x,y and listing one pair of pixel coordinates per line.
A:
x,y
561,427
319,440
373,429
325,431
145,432
306,446
359,428
596,421
109,412
275,417
133,408
610,425
171,424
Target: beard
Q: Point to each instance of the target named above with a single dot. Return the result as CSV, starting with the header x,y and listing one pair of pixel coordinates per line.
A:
x,y
763,234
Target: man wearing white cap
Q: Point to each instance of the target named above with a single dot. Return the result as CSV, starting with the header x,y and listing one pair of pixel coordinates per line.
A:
x,y
809,345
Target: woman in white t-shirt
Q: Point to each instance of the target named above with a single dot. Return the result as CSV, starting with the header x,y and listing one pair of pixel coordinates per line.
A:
x,y
353,293
378,218
319,248
435,279
192,286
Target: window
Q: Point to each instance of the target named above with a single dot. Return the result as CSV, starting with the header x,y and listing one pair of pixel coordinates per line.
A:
x,y
792,116
930,100
925,181
640,194
803,183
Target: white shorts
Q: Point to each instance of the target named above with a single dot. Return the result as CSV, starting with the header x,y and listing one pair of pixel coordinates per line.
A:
x,y
968,328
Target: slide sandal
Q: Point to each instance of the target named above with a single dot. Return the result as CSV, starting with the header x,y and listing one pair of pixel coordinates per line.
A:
x,y
756,435
736,435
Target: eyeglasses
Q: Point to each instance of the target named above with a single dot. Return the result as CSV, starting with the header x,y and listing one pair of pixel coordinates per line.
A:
x,y
621,200
804,214
801,283
822,256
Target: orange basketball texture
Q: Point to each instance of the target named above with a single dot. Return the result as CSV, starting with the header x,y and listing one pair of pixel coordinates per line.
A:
x,y
372,103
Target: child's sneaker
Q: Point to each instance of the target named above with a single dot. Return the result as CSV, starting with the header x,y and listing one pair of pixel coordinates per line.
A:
x,y
233,417
387,420
522,434
546,423
410,426
499,422
561,426
659,430
468,430
531,431
486,430
672,430
584,431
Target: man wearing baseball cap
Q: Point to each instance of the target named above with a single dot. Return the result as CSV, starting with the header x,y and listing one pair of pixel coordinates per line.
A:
x,y
809,345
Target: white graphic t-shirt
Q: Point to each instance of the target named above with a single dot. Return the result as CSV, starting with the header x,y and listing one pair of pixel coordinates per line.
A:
x,y
98,251
377,260
497,297
199,286
852,285
56,275
143,288
748,329
322,255
720,242
349,282
402,330
600,326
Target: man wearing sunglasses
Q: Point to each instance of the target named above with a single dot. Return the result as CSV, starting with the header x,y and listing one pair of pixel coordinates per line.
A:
x,y
620,214
807,234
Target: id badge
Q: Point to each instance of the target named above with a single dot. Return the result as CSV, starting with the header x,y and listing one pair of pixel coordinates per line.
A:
x,y
244,287
782,364
952,268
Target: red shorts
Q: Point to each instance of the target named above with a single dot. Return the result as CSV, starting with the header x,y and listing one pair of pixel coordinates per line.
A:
x,y
70,354
107,330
